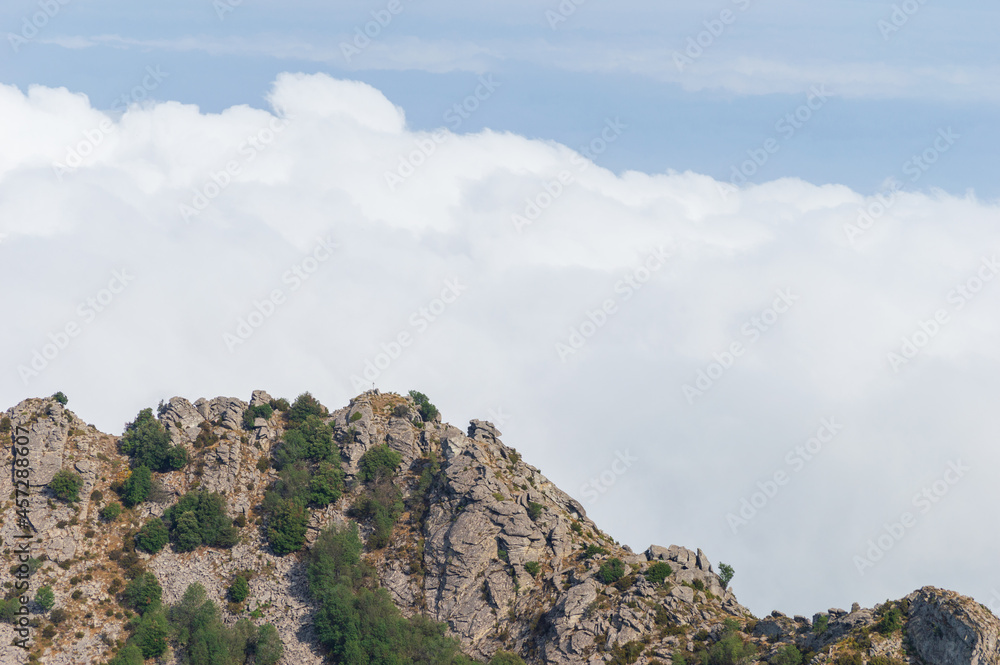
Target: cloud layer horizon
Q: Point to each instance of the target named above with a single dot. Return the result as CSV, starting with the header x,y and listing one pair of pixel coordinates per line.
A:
x,y
776,374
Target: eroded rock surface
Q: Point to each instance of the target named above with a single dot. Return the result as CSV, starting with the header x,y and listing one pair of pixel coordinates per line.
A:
x,y
502,556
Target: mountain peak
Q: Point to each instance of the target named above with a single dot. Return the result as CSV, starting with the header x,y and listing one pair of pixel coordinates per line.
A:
x,y
457,528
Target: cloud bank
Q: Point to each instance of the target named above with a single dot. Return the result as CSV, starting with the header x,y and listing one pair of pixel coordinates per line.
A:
x,y
798,379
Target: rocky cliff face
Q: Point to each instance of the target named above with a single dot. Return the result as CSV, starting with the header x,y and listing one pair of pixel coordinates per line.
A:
x,y
499,554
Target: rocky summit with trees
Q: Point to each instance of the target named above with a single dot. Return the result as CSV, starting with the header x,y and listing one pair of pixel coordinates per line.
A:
x,y
277,531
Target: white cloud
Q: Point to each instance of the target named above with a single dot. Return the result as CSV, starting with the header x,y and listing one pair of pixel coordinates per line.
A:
x,y
401,53
727,67
275,188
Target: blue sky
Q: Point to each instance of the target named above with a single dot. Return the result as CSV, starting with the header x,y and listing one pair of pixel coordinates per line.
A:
x,y
891,89
853,267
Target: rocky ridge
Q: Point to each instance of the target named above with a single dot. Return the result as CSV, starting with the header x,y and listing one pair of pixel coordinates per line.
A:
x,y
499,554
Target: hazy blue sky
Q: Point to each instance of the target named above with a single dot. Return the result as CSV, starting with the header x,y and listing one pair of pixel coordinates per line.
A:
x,y
818,340
894,84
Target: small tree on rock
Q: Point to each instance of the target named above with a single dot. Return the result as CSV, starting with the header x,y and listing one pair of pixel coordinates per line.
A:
x,y
726,573
45,598
66,485
239,589
152,536
137,487
611,571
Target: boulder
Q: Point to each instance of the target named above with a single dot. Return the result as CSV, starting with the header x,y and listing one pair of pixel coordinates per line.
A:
x,y
945,628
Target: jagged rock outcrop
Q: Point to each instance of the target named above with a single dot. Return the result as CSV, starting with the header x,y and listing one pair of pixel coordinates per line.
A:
x,y
948,629
501,555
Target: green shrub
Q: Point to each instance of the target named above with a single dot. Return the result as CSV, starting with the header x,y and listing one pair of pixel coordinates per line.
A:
x,y
357,624
626,654
305,405
890,621
263,463
286,528
593,550
185,531
136,488
5,425
151,634
239,589
310,439
506,658
58,615
61,398
110,512
658,572
730,650
66,485
380,505
267,648
611,571
335,558
279,404
377,462
356,416
143,593
285,507
326,485
130,655
787,655
419,501
45,597
96,496
821,623
534,510
251,414
206,436
427,410
199,518
292,484
147,443
726,573
202,637
152,536
8,610
625,582
852,658
33,565
533,568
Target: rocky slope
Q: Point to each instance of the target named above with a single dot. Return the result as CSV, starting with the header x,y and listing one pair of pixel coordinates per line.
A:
x,y
499,554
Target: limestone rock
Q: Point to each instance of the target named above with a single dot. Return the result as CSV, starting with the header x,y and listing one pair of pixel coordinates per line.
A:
x,y
260,398
945,628
227,411
492,548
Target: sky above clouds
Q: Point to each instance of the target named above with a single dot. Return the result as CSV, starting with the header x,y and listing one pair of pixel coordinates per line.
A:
x,y
745,303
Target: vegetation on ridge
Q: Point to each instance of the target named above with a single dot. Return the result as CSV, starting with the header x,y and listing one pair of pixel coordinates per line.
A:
x,y
309,465
357,621
147,444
